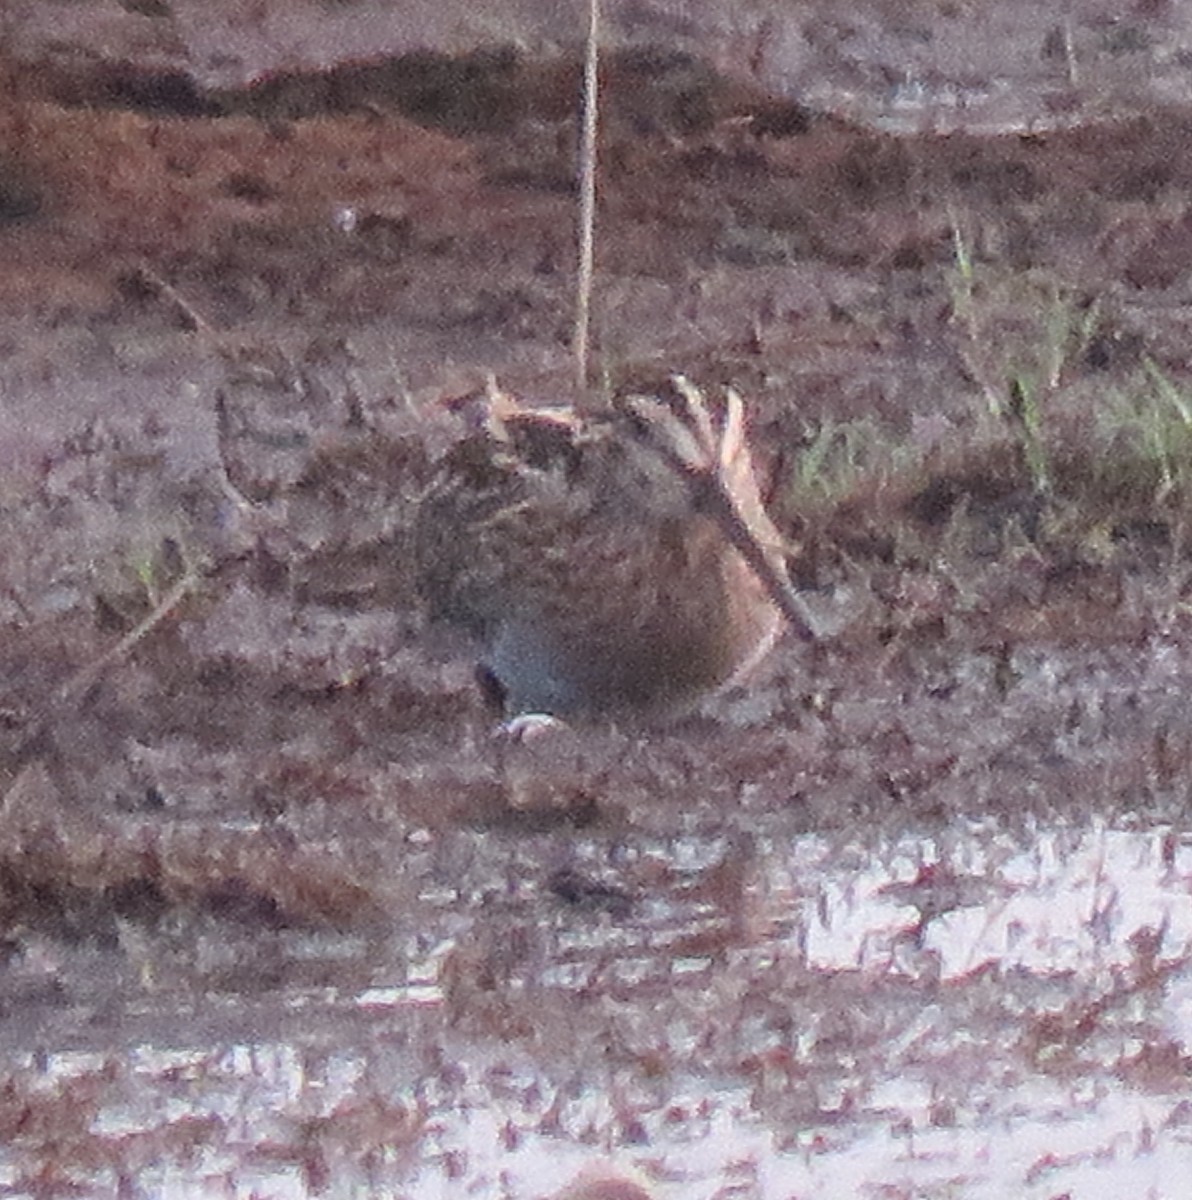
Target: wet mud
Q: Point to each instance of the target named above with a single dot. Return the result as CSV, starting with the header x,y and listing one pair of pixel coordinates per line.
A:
x,y
281,910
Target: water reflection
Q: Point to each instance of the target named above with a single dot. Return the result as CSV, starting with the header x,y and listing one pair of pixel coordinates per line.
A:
x,y
966,1013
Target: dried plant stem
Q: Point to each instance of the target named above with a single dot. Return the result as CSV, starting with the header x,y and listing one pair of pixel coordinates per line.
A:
x,y
82,681
72,694
168,292
587,195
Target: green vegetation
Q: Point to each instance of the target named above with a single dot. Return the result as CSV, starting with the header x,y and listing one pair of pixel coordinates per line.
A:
x,y
1078,443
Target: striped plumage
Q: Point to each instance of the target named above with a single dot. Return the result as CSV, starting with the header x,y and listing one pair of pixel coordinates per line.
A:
x,y
598,558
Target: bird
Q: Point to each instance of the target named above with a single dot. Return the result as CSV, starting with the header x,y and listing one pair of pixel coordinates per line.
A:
x,y
609,561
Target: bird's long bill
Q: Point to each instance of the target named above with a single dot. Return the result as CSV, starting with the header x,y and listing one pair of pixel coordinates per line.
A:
x,y
720,504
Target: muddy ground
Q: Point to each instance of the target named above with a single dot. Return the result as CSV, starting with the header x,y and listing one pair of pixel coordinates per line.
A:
x,y
908,914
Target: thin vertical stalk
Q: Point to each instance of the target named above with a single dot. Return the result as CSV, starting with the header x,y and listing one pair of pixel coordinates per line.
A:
x,y
587,196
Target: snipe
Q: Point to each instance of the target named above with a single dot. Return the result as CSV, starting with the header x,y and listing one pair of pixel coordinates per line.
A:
x,y
614,562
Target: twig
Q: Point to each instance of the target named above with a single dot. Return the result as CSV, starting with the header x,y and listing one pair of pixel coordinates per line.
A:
x,y
74,691
587,195
82,681
169,292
